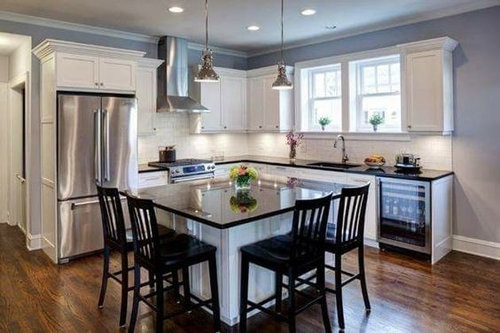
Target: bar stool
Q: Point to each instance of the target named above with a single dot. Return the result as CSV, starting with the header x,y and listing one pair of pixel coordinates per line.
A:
x,y
178,252
347,235
118,238
293,255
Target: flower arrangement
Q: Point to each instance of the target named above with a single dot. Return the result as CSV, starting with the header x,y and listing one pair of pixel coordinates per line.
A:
x,y
243,202
376,119
243,176
293,140
324,121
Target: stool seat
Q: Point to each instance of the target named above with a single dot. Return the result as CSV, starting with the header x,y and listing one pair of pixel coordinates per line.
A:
x,y
182,247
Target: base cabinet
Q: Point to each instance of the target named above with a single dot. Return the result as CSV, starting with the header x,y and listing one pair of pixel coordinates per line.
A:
x,y
371,206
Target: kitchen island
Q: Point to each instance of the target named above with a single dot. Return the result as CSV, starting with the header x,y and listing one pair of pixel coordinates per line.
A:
x,y
214,212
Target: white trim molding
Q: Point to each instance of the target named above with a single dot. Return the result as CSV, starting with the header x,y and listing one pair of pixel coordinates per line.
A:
x,y
44,22
34,242
217,50
476,246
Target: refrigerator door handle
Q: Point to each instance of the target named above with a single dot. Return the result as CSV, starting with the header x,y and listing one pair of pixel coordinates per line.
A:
x,y
97,145
105,117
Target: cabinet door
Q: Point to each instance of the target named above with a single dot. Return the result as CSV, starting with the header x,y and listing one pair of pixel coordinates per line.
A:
x,y
210,95
371,205
77,71
117,74
271,105
146,100
425,91
255,112
233,103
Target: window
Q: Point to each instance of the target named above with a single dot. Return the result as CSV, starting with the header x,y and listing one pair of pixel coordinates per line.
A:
x,y
325,98
377,92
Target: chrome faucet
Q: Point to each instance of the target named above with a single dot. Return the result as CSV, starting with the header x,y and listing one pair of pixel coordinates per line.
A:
x,y
345,158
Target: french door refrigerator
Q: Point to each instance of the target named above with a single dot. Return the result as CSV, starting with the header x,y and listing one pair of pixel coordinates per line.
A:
x,y
97,143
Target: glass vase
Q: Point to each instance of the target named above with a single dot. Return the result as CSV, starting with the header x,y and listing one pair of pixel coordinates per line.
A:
x,y
242,184
293,153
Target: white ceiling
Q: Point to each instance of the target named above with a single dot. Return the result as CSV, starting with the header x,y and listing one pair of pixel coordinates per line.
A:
x,y
10,42
229,18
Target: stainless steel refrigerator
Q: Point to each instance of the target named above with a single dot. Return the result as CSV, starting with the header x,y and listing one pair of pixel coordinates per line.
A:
x,y
96,143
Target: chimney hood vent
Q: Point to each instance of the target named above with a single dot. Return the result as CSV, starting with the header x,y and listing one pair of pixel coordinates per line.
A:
x,y
173,76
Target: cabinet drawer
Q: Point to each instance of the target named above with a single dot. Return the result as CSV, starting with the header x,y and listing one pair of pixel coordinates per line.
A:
x,y
282,171
151,179
323,175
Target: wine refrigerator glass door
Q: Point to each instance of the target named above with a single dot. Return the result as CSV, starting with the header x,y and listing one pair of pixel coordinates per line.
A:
x,y
404,214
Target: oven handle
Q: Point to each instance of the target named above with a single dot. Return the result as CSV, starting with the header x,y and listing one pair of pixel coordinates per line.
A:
x,y
190,178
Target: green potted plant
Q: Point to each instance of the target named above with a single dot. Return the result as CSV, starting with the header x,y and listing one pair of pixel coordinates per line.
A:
x,y
376,119
324,121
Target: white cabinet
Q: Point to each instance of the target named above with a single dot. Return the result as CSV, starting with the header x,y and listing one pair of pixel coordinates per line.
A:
x,y
117,74
371,206
77,71
152,179
268,109
226,101
429,85
146,93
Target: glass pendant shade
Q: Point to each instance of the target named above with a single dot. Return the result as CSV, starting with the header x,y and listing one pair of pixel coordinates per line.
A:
x,y
282,82
207,72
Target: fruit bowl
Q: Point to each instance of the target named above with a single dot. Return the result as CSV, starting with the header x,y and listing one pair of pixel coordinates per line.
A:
x,y
375,165
375,161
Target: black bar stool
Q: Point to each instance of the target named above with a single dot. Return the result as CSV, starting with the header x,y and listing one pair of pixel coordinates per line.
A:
x,y
118,238
347,235
178,252
293,255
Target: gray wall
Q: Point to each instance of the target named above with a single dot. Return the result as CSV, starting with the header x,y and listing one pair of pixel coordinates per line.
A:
x,y
476,139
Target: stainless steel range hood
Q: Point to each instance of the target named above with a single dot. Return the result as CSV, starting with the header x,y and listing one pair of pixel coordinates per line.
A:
x,y
173,76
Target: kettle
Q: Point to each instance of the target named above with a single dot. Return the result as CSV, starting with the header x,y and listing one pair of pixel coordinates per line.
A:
x,y
166,154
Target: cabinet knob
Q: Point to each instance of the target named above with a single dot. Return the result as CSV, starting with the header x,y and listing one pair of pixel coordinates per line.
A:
x,y
96,84
409,126
102,84
260,126
202,127
225,127
277,126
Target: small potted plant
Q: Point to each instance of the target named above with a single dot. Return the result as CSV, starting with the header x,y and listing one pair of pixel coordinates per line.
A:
x,y
293,140
376,119
324,121
243,175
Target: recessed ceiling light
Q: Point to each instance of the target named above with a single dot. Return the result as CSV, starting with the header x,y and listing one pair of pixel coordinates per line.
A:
x,y
253,27
331,27
308,12
176,9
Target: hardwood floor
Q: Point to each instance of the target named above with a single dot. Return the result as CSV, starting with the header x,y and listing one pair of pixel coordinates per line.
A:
x,y
459,294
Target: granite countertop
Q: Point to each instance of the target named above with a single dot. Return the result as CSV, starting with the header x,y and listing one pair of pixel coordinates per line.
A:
x,y
386,171
216,202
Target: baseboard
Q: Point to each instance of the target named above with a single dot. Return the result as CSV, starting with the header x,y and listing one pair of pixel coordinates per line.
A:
x,y
476,246
34,242
22,229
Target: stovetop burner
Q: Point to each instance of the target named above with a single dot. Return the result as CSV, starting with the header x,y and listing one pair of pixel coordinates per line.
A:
x,y
181,162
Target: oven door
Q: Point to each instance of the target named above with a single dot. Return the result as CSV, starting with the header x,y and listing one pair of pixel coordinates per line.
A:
x,y
404,214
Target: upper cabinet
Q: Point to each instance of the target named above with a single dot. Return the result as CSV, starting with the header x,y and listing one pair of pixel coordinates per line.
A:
x,y
82,67
146,94
225,101
268,109
429,85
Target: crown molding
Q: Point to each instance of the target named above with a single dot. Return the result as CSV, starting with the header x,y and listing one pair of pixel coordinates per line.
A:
x,y
219,50
455,10
45,22
50,46
268,70
149,62
445,43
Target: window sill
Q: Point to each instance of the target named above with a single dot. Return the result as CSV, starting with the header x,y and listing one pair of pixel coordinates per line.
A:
x,y
358,136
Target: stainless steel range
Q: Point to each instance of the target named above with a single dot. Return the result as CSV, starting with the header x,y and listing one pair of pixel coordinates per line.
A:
x,y
187,169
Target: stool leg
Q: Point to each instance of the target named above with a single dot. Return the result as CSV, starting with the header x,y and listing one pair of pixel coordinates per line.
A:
x,y
362,277
244,293
159,302
135,304
175,281
105,272
324,307
186,286
123,307
338,290
279,290
291,302
214,289
151,279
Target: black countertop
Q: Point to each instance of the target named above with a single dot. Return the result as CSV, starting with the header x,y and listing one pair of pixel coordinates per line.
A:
x,y
217,203
386,171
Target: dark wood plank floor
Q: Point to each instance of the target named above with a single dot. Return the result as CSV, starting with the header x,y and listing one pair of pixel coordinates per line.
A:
x,y
459,294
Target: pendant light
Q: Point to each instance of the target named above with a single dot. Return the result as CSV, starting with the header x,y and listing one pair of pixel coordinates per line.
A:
x,y
282,82
206,72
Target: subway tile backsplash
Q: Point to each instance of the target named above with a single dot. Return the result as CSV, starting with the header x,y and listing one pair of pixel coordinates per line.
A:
x,y
173,129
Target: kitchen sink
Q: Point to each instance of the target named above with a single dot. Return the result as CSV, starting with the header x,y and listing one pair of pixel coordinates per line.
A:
x,y
331,165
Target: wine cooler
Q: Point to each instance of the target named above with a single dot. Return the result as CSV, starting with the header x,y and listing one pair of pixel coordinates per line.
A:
x,y
404,214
